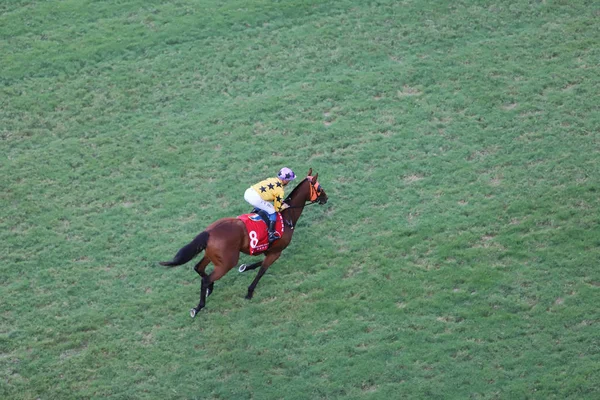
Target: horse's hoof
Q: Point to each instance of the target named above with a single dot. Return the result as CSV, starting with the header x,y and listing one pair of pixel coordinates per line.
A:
x,y
248,296
242,268
193,312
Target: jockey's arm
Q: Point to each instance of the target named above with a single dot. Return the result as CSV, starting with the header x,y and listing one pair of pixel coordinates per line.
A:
x,y
277,200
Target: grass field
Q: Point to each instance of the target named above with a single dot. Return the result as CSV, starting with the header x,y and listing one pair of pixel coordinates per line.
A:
x,y
459,144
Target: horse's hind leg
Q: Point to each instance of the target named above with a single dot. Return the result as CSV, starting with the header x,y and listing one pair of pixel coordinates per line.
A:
x,y
200,268
203,290
221,268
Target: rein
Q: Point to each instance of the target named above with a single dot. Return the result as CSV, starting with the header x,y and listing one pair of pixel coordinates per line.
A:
x,y
302,206
288,221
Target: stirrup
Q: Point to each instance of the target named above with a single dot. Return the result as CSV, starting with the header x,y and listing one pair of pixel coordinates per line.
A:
x,y
273,236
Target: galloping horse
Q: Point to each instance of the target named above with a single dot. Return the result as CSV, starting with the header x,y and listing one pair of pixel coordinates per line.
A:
x,y
224,239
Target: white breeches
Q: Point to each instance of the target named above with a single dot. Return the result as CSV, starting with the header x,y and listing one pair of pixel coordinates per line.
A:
x,y
255,200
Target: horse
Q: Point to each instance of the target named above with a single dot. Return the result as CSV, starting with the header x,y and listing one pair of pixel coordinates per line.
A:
x,y
224,239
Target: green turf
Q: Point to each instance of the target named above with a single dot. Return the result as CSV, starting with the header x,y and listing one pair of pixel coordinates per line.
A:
x,y
459,144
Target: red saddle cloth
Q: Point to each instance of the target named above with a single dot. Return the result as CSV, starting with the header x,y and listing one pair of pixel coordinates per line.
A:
x,y
258,233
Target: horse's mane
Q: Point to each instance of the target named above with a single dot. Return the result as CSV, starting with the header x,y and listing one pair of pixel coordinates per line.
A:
x,y
294,191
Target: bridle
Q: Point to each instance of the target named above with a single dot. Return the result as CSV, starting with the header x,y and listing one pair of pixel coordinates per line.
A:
x,y
315,190
315,193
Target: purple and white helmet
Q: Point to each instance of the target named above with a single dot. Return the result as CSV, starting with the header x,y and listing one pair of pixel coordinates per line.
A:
x,y
286,174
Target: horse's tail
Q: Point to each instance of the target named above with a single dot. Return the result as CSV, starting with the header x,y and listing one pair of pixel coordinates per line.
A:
x,y
189,251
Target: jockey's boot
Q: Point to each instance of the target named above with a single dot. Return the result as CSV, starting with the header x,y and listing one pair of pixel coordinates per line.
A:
x,y
273,234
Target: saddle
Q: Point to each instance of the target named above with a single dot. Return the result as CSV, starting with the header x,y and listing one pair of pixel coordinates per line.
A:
x,y
261,213
256,224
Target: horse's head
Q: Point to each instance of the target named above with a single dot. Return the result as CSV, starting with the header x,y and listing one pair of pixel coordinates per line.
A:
x,y
308,190
317,194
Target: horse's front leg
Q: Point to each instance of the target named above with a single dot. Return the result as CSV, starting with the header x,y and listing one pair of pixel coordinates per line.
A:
x,y
245,267
266,263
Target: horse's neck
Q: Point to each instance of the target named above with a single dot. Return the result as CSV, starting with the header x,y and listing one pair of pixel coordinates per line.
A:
x,y
295,213
296,207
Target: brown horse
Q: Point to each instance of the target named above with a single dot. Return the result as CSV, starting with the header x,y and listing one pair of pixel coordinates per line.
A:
x,y
225,238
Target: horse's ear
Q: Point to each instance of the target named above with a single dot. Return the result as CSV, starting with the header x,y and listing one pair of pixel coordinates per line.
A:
x,y
309,172
315,177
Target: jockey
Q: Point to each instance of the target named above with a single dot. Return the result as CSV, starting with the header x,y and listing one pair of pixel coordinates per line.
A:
x,y
271,189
